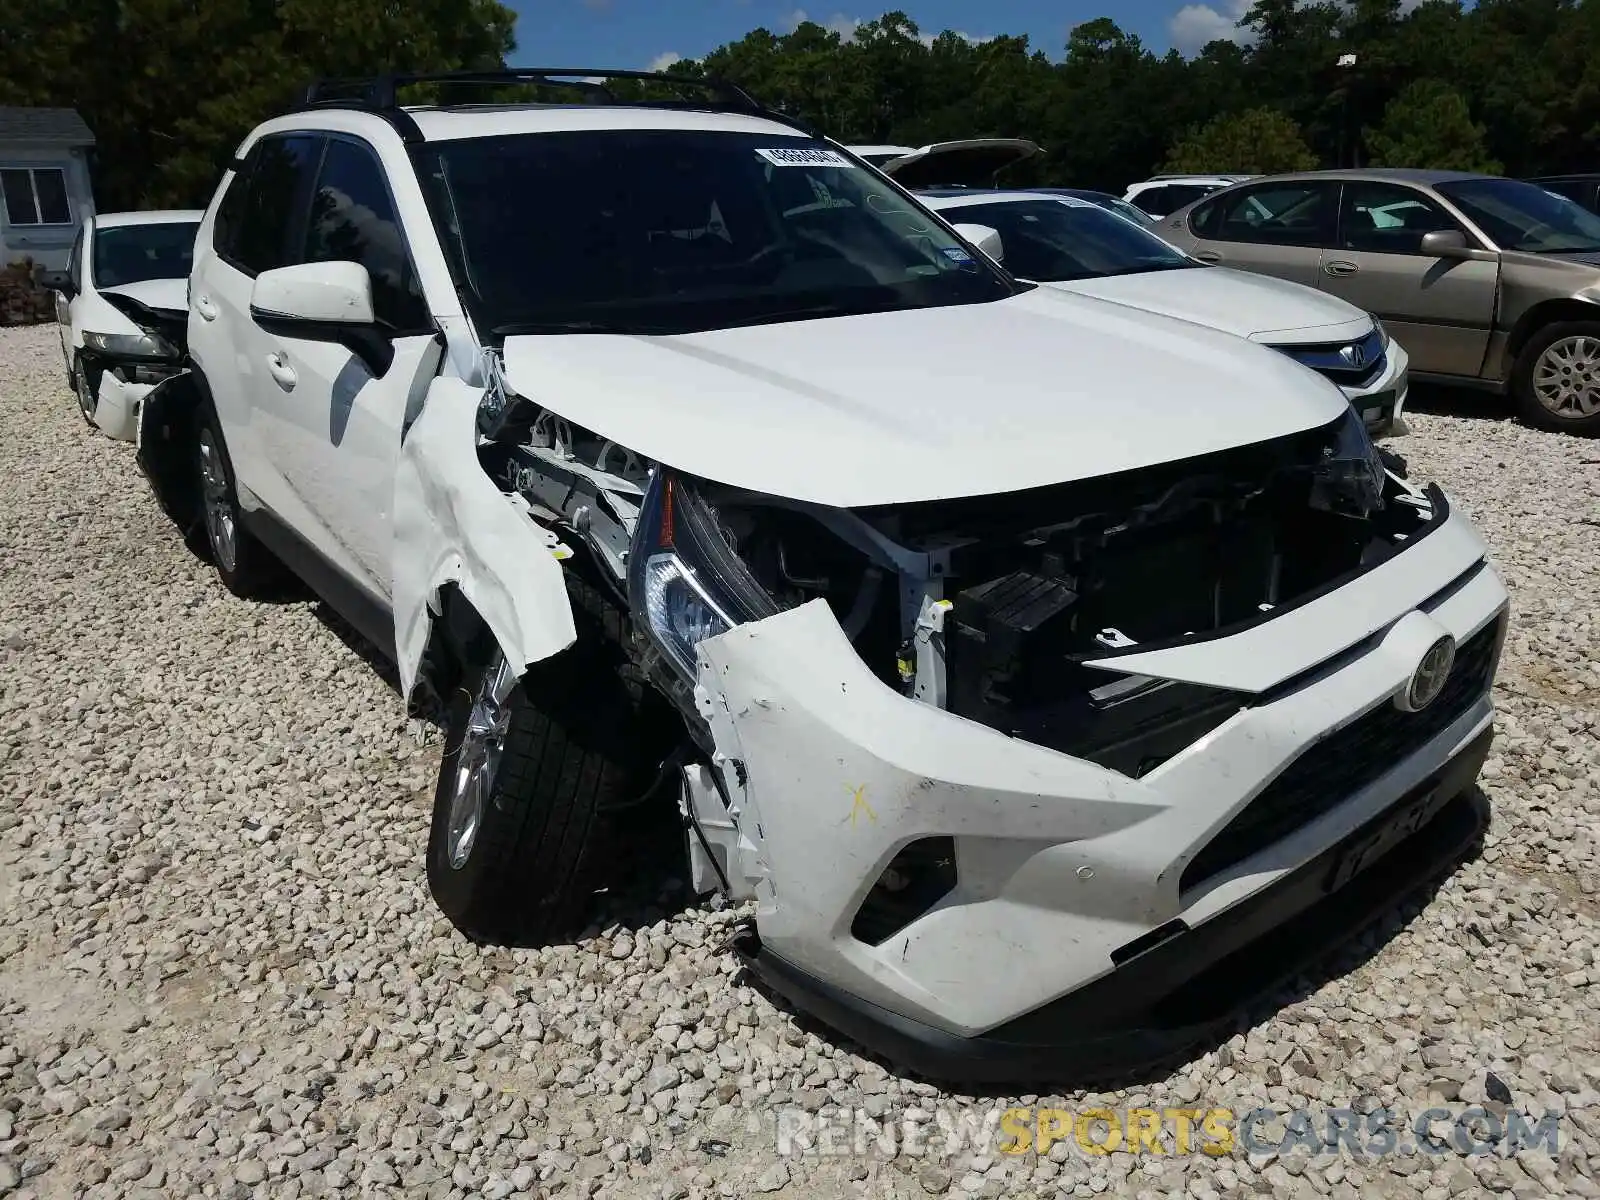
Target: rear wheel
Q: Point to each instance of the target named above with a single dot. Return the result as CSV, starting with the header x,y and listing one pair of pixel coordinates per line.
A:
x,y
1557,378
539,774
245,566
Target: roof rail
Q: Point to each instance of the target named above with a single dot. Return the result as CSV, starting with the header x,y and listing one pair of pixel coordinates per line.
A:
x,y
380,93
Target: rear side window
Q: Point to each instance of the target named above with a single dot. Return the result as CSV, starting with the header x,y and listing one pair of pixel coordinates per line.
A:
x,y
353,220
1279,214
1203,220
270,196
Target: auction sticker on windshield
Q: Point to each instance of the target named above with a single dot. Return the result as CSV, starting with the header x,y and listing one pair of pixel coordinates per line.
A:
x,y
802,157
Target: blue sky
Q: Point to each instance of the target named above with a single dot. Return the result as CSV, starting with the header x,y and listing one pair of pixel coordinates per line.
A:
x,y
641,33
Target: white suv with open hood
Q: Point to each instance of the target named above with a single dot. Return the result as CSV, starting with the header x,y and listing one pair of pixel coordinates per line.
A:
x,y
1050,674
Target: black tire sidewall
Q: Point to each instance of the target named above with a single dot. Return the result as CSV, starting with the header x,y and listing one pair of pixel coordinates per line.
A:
x,y
79,377
1529,408
252,566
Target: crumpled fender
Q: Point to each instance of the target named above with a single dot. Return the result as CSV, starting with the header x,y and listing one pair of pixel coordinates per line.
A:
x,y
452,524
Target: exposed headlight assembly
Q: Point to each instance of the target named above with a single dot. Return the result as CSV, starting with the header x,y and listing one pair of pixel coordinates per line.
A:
x,y
1349,477
685,583
1383,334
130,345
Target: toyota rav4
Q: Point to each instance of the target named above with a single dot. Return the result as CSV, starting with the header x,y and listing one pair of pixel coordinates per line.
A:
x,y
1050,674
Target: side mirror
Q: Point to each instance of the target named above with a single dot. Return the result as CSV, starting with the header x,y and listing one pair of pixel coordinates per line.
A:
x,y
57,281
1445,243
323,302
985,238
337,294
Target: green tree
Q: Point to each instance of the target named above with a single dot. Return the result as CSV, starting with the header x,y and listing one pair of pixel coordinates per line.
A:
x,y
1428,125
171,86
1258,141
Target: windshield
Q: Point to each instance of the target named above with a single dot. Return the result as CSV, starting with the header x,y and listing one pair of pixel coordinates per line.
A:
x,y
675,231
1053,241
134,253
1520,216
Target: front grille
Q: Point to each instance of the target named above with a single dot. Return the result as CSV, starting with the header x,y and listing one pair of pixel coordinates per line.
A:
x,y
1344,762
1327,359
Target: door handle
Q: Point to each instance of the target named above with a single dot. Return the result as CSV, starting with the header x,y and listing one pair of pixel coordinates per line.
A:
x,y
282,372
1338,268
206,309
1208,256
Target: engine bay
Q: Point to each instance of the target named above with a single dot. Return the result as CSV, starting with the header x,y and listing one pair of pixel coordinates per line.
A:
x,y
991,606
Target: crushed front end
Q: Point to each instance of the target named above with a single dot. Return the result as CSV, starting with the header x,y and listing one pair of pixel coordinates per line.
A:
x,y
1042,784
120,369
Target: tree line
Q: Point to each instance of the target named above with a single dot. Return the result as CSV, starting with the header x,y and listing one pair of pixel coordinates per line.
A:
x,y
170,86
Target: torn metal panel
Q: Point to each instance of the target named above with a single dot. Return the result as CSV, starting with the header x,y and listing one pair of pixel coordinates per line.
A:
x,y
453,525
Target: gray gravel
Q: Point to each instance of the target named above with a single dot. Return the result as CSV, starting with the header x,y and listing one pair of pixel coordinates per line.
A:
x,y
221,974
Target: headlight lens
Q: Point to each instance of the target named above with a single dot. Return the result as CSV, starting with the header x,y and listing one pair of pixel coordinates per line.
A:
x,y
1349,479
1383,334
684,579
132,345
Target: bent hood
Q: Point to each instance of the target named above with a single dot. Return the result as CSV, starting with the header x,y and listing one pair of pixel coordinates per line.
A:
x,y
168,295
1251,306
924,404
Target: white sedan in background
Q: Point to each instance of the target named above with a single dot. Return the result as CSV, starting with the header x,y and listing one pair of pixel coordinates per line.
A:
x,y
1077,246
123,304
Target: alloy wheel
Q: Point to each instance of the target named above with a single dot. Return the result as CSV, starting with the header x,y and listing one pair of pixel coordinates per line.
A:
x,y
218,504
478,761
86,399
1566,379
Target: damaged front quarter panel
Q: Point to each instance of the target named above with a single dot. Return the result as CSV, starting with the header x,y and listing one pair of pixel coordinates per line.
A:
x,y
453,525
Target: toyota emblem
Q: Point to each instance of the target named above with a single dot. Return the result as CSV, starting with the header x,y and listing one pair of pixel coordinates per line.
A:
x,y
1355,355
1428,680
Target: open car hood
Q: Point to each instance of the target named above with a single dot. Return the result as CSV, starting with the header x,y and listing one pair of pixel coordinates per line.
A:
x,y
973,162
924,404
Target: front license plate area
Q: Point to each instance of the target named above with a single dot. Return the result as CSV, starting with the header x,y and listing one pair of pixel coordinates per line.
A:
x,y
1370,844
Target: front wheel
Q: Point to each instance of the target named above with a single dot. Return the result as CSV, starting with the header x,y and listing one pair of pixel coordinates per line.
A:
x,y
538,773
87,401
1556,380
244,565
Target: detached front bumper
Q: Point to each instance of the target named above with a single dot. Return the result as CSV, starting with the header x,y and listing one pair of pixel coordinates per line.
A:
x,y
121,390
1094,919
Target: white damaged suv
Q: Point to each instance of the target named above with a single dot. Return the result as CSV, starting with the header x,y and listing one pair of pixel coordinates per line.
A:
x,y
1052,675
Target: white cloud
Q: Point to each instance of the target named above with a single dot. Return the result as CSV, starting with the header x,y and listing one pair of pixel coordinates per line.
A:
x,y
844,26
1194,25
664,60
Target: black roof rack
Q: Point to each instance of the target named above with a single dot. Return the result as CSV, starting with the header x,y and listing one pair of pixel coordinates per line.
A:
x,y
380,93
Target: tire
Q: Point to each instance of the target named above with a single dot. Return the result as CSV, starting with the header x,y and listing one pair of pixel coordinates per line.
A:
x,y
579,750
245,566
85,395
1556,380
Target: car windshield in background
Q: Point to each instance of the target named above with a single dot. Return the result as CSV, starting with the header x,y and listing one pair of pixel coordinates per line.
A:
x,y
667,231
133,253
1054,241
1520,216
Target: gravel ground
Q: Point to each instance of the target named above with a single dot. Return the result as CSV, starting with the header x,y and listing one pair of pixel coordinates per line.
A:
x,y
221,974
